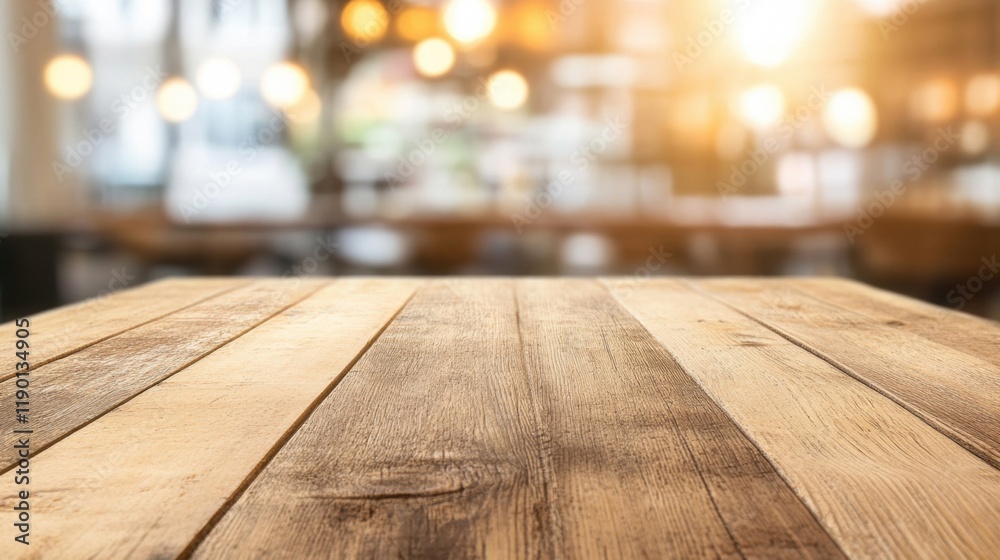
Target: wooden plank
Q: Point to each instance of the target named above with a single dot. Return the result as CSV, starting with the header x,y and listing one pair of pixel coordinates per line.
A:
x,y
471,457
426,449
884,483
970,334
955,392
60,332
70,392
141,481
643,463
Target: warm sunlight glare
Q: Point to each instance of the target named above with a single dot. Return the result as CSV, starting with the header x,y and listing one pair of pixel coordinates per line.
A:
x,y
770,30
469,21
761,107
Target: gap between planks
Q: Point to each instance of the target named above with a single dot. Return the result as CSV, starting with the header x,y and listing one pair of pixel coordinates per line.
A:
x,y
929,416
73,349
283,440
882,481
39,449
412,436
725,411
179,471
976,336
656,499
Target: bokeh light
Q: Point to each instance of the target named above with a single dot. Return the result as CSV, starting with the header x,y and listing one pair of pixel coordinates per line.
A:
x,y
507,89
364,21
218,78
529,26
284,84
770,30
762,106
935,101
469,21
176,100
68,77
982,94
417,23
850,118
433,57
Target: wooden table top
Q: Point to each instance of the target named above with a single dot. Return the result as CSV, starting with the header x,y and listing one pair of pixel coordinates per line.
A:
x,y
529,418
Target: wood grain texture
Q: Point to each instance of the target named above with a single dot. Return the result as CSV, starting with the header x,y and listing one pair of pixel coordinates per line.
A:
x,y
642,464
143,480
70,392
953,391
426,449
438,443
884,483
60,332
970,334
513,419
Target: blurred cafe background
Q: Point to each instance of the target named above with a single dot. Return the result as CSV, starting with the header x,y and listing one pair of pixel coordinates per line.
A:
x,y
141,139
